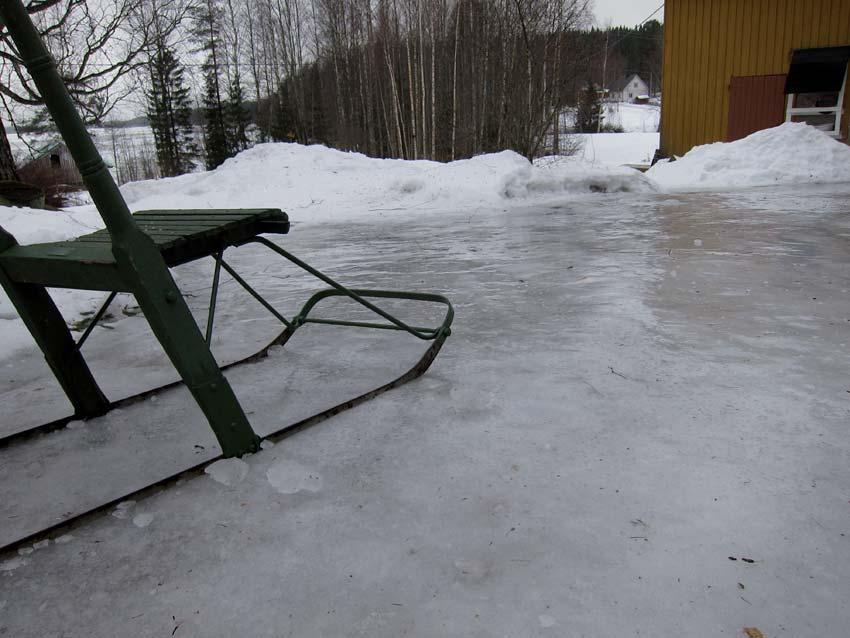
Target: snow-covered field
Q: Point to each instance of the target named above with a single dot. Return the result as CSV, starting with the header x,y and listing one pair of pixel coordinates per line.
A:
x,y
617,149
633,118
638,426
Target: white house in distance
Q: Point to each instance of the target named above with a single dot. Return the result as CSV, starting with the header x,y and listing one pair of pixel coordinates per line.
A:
x,y
629,89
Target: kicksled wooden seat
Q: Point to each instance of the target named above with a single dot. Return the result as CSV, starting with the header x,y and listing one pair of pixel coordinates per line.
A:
x,y
133,254
180,236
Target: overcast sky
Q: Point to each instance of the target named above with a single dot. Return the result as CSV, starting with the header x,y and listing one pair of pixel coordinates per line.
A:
x,y
626,12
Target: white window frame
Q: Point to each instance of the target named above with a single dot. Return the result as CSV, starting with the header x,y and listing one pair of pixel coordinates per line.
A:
x,y
790,111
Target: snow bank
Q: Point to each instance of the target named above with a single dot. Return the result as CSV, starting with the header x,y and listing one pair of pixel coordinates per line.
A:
x,y
315,183
793,153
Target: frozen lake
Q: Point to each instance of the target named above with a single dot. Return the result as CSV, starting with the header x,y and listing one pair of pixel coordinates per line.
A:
x,y
641,391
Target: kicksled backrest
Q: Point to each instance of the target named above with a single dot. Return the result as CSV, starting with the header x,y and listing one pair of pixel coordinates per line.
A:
x,y
139,263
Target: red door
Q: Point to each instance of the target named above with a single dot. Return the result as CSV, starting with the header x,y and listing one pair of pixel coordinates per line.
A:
x,y
756,102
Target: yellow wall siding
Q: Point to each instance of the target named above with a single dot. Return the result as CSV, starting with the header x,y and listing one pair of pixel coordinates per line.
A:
x,y
706,42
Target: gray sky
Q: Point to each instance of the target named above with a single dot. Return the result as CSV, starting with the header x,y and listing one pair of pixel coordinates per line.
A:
x,y
626,12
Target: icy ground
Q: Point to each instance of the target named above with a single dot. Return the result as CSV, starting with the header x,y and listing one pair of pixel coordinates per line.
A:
x,y
638,427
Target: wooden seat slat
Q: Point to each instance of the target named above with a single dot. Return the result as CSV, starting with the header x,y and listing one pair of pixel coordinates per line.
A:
x,y
180,235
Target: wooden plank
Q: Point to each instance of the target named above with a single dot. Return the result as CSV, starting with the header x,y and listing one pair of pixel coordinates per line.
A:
x,y
198,216
81,266
188,223
207,211
210,214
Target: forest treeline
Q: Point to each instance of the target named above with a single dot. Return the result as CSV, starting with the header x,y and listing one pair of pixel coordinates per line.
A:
x,y
436,79
413,79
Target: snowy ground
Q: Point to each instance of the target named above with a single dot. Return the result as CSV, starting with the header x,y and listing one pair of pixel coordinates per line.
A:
x,y
635,145
617,149
638,426
633,118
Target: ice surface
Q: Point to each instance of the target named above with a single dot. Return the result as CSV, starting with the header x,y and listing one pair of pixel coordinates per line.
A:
x,y
637,387
595,441
316,184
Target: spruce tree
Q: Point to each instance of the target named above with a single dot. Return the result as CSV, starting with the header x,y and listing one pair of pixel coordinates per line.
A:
x,y
216,146
237,117
587,109
169,112
207,29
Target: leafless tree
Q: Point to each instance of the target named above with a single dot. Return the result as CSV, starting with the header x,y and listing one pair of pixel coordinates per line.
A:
x,y
96,45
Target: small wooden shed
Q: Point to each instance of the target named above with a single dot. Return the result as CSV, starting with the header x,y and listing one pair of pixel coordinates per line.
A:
x,y
52,165
733,67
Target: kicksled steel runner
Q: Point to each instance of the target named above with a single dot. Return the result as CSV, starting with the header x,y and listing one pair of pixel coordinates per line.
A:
x,y
437,336
133,254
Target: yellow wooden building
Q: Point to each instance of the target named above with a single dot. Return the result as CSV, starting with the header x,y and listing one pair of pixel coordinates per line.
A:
x,y
732,67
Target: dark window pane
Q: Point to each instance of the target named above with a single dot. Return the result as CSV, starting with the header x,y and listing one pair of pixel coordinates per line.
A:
x,y
822,122
812,100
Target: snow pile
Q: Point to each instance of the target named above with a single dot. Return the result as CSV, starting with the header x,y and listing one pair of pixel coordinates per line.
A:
x,y
793,153
315,183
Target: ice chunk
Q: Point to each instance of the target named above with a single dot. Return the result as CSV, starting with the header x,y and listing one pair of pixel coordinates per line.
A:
x,y
289,477
143,520
228,471
122,510
13,563
546,621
